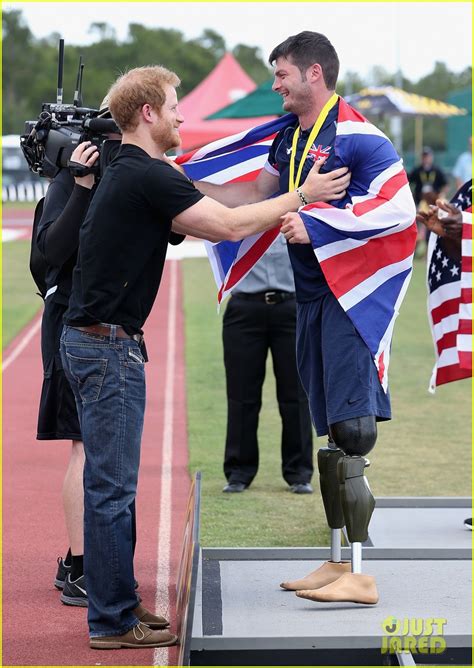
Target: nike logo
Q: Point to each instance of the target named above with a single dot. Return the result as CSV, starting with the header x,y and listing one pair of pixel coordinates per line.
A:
x,y
288,151
80,589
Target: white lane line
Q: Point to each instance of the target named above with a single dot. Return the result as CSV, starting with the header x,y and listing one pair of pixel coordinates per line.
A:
x,y
22,343
9,234
162,600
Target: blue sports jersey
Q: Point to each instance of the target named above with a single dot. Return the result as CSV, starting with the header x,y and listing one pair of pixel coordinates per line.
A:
x,y
310,282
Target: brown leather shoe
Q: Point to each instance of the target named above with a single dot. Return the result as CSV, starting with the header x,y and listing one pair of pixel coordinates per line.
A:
x,y
324,575
146,617
139,636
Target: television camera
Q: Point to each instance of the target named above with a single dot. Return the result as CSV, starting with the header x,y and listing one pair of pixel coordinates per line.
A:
x,y
48,142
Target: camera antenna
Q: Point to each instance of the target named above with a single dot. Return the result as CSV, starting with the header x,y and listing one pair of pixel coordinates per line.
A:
x,y
59,97
78,91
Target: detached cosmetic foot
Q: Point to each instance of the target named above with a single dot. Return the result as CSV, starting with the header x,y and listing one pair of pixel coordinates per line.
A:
x,y
351,587
324,575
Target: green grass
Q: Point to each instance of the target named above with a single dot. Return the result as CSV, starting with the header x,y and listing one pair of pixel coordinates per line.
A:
x,y
20,301
424,450
18,206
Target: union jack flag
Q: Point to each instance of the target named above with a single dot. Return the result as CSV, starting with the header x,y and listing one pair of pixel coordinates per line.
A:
x,y
450,299
366,248
365,243
317,152
239,157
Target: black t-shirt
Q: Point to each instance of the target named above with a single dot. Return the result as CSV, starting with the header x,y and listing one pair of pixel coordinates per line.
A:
x,y
59,271
310,282
426,181
123,241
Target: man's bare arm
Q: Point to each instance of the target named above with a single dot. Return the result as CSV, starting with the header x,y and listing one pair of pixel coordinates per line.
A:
x,y
236,194
209,219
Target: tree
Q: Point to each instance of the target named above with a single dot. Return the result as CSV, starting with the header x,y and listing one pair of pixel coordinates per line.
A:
x,y
103,31
18,64
30,67
250,58
212,41
351,83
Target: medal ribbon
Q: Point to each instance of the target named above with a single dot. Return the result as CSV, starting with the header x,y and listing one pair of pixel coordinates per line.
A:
x,y
294,183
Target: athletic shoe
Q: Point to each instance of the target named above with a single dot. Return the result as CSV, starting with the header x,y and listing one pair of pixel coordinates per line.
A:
x,y
74,592
468,523
63,570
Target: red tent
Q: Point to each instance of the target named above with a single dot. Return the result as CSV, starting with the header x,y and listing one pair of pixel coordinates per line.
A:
x,y
225,84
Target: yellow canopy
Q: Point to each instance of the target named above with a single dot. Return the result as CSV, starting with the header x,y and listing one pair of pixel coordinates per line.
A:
x,y
387,99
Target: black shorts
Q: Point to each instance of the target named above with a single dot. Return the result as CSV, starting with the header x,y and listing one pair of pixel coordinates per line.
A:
x,y
57,419
336,367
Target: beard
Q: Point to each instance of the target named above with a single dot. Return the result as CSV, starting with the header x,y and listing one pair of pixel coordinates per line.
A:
x,y
299,103
165,137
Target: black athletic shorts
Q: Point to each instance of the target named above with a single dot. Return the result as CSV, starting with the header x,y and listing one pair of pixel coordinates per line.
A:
x,y
57,417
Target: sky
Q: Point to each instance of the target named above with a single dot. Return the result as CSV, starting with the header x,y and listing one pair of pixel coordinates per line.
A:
x,y
412,35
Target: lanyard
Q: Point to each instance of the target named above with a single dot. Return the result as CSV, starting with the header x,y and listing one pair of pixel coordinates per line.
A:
x,y
294,183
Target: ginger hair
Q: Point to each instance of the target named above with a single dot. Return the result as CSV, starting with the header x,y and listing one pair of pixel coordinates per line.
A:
x,y
142,85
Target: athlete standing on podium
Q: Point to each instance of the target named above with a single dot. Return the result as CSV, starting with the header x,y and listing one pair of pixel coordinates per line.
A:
x,y
337,369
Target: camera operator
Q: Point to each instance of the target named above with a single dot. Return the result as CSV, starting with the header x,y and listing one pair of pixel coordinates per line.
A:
x,y
57,238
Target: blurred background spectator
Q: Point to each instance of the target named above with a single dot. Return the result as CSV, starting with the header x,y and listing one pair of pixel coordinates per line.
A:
x,y
428,182
261,316
462,171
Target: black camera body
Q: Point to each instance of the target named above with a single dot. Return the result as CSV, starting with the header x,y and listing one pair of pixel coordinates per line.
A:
x,y
49,142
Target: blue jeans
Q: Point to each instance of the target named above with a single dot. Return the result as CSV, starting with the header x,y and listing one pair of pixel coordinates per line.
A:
x,y
107,377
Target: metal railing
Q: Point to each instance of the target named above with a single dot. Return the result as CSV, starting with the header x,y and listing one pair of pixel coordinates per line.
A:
x,y
24,192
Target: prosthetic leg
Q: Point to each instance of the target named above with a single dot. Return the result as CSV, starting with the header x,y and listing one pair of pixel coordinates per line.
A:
x,y
328,459
347,500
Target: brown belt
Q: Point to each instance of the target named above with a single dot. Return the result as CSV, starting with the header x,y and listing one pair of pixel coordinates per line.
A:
x,y
104,330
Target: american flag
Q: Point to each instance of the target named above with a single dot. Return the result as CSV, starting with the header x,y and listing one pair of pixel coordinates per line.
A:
x,y
450,300
365,243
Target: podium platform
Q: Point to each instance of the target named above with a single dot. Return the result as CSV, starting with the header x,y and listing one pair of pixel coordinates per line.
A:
x,y
419,522
420,554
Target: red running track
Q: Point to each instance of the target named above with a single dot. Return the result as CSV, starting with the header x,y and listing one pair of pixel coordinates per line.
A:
x,y
37,628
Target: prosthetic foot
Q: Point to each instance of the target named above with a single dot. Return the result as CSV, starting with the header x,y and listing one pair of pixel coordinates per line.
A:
x,y
358,505
351,587
324,575
328,459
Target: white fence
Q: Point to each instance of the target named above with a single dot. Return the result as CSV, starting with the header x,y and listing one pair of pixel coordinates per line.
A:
x,y
24,192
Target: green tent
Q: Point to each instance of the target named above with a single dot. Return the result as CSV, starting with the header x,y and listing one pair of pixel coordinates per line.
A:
x,y
261,102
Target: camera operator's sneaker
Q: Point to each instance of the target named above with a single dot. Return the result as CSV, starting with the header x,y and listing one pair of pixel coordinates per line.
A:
x,y
74,592
63,570
468,523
